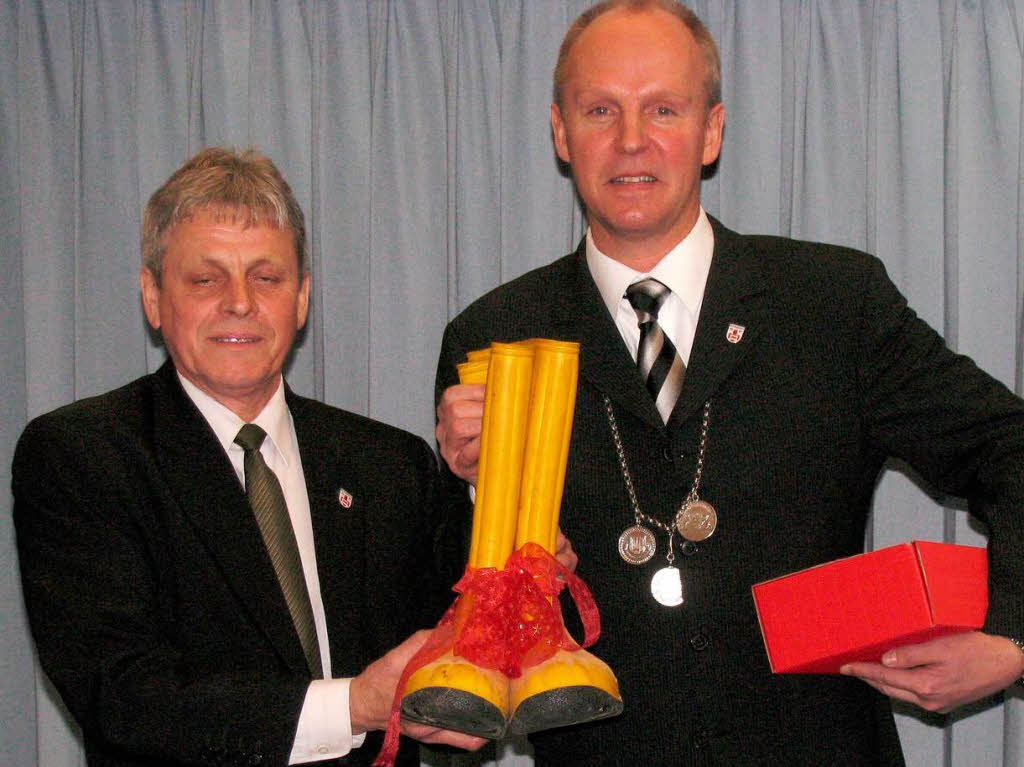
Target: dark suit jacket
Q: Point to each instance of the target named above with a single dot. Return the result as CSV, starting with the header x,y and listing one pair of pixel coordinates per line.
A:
x,y
833,374
150,594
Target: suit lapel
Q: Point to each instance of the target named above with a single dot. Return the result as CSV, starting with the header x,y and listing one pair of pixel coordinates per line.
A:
x,y
734,296
579,313
201,478
339,532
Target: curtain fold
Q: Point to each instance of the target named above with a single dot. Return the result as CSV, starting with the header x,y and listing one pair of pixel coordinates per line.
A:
x,y
415,134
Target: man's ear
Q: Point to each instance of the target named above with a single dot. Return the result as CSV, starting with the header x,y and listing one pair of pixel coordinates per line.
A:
x,y
150,297
303,303
713,128
558,131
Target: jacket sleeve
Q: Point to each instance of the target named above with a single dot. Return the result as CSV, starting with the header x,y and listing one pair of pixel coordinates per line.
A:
x,y
955,424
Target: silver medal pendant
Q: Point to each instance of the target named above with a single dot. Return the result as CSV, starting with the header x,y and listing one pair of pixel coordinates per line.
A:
x,y
697,521
667,586
637,545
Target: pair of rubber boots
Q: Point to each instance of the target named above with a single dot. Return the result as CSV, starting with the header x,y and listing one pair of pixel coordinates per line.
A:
x,y
524,444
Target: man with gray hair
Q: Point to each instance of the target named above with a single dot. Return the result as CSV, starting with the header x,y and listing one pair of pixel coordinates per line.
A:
x,y
216,570
738,396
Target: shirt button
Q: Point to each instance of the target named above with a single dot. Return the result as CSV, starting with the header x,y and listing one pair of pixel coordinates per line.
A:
x,y
323,749
699,642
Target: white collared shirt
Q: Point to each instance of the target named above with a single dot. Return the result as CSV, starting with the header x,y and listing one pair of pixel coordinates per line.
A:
x,y
325,728
684,270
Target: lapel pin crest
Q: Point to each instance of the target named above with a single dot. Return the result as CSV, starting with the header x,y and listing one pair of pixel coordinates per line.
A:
x,y
734,333
345,498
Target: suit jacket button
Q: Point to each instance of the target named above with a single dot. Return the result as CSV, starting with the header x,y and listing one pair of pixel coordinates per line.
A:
x,y
667,454
690,548
699,641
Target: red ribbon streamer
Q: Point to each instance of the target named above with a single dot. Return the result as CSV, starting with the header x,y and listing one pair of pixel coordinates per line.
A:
x,y
505,620
436,645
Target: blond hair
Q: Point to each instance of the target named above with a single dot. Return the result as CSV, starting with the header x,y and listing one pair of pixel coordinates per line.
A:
x,y
242,187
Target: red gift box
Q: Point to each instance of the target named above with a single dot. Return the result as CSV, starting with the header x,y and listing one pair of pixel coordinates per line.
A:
x,y
815,620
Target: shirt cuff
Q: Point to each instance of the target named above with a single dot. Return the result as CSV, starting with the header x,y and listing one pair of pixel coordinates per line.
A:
x,y
325,725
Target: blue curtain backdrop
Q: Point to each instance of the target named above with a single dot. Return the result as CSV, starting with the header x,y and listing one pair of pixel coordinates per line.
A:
x,y
415,133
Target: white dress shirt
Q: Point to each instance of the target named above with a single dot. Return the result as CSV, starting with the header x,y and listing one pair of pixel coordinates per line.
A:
x,y
684,270
325,728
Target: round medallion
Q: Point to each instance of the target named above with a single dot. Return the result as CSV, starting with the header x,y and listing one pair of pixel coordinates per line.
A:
x,y
637,545
697,521
667,586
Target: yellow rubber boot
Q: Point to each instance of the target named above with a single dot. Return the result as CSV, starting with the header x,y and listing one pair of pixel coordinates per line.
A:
x,y
571,686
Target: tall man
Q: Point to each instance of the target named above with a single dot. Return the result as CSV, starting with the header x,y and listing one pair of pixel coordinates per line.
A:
x,y
211,564
769,379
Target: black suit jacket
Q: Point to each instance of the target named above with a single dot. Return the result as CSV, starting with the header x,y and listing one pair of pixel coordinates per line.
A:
x,y
832,375
151,597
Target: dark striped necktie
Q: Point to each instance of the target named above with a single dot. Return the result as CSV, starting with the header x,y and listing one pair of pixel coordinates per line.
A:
x,y
659,363
271,512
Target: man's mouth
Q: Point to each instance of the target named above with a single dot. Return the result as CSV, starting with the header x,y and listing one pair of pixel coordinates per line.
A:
x,y
640,179
235,339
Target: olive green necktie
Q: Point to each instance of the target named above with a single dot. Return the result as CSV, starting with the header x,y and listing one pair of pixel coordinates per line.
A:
x,y
271,511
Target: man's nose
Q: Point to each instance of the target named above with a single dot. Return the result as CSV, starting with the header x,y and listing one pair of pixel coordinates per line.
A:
x,y
632,132
238,297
